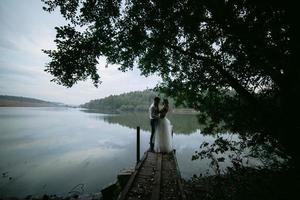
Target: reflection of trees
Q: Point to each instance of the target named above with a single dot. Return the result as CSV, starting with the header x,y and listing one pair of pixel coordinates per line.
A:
x,y
97,111
182,123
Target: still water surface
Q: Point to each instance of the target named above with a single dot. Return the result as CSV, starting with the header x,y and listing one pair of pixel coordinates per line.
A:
x,y
51,150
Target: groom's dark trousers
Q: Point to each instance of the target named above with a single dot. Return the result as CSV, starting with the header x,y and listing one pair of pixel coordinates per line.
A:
x,y
153,123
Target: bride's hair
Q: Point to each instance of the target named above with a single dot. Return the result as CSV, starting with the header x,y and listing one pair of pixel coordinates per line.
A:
x,y
166,102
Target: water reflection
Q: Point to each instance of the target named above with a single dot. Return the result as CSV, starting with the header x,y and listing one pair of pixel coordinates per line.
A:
x,y
51,150
186,140
182,123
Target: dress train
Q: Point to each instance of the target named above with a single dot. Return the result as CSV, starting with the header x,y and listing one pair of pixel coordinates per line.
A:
x,y
163,136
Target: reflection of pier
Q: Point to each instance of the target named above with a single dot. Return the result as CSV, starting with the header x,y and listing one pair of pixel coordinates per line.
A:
x,y
156,176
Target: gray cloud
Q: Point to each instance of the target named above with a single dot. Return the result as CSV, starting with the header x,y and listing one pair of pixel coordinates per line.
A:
x,y
25,30
8,45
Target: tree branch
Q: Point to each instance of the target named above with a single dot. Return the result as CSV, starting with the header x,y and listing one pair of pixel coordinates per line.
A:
x,y
230,79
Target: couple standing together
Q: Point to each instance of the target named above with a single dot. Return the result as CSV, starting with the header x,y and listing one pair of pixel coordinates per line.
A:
x,y
161,128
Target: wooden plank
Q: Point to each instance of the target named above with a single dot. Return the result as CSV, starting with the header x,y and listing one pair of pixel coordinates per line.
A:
x,y
156,177
156,189
169,188
183,197
132,178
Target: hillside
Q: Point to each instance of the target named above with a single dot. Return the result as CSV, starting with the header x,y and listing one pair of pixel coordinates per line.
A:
x,y
15,101
132,101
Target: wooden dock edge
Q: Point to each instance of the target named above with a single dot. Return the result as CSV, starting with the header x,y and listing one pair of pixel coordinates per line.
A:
x,y
124,192
179,182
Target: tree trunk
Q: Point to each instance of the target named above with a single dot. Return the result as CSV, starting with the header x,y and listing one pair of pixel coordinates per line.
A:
x,y
290,93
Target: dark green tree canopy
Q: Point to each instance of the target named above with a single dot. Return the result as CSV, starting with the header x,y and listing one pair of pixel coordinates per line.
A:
x,y
229,58
242,44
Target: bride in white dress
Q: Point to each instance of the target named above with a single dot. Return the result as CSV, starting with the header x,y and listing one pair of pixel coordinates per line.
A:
x,y
163,133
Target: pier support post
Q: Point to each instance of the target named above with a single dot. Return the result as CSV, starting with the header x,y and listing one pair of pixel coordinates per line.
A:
x,y
137,144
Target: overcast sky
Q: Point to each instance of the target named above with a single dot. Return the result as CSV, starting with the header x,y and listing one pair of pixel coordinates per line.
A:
x,y
25,29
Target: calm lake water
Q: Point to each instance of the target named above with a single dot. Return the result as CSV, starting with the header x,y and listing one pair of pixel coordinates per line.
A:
x,y
53,150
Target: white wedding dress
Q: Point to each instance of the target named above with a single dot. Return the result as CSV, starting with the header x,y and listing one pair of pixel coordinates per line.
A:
x,y
163,136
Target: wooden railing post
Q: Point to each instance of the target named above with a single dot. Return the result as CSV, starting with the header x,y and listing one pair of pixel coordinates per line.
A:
x,y
137,144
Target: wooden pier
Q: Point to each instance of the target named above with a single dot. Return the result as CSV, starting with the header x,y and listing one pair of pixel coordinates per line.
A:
x,y
156,177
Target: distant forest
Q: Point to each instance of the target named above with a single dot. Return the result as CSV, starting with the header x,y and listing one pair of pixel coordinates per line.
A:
x,y
132,101
15,101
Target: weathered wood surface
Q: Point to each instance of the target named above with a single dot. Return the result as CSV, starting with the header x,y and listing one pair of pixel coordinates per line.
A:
x,y
156,177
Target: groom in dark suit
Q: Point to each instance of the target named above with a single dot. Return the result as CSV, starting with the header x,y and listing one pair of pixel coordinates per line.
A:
x,y
154,116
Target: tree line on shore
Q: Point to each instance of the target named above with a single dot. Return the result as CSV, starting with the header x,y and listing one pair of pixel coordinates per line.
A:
x,y
16,101
137,101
